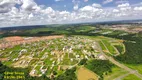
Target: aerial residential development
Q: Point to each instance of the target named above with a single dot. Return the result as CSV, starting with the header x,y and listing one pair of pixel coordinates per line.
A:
x,y
70,40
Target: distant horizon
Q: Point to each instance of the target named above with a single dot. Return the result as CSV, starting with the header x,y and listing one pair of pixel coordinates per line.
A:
x,y
101,22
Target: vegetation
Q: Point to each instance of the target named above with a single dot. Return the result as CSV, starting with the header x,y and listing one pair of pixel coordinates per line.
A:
x,y
133,51
132,56
69,74
109,47
137,67
26,75
131,77
133,44
119,48
100,67
83,62
116,72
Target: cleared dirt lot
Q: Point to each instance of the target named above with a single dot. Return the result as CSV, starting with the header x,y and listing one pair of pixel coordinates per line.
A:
x,y
85,74
16,40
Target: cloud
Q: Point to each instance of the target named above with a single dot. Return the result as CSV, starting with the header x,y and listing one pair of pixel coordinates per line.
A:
x,y
124,5
86,0
138,8
29,5
30,13
107,1
75,7
96,5
115,10
121,1
6,5
76,4
89,8
58,0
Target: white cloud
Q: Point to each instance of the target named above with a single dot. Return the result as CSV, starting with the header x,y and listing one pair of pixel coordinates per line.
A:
x,y
6,5
75,7
96,5
121,1
29,5
124,5
87,8
58,0
115,10
30,13
107,1
76,4
138,8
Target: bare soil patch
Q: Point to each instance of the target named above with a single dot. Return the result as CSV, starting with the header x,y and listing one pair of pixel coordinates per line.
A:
x,y
17,40
85,74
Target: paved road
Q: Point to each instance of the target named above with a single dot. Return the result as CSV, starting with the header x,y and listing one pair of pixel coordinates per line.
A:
x,y
121,77
111,59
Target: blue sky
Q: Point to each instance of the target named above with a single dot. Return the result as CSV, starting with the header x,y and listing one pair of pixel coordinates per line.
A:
x,y
60,5
39,12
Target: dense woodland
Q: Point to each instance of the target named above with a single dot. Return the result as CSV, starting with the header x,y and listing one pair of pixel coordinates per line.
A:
x,y
100,67
69,74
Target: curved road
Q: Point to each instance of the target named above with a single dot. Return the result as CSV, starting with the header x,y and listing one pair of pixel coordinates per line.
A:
x,y
111,59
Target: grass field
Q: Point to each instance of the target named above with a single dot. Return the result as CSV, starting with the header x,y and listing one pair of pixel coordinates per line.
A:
x,y
116,72
109,46
131,77
135,67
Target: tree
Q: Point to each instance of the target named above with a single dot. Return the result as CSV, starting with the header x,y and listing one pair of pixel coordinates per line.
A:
x,y
83,61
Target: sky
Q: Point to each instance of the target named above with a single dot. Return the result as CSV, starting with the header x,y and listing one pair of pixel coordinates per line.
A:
x,y
43,12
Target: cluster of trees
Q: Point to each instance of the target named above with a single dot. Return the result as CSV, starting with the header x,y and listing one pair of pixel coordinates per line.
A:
x,y
133,54
100,67
83,62
47,30
69,74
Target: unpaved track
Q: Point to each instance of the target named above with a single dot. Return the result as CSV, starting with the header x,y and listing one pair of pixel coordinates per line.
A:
x,y
119,64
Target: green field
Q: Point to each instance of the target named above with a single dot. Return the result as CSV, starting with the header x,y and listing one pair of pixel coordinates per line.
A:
x,y
137,67
131,77
116,72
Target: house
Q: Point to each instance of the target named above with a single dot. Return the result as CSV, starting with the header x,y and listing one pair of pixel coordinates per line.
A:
x,y
101,56
71,60
23,51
